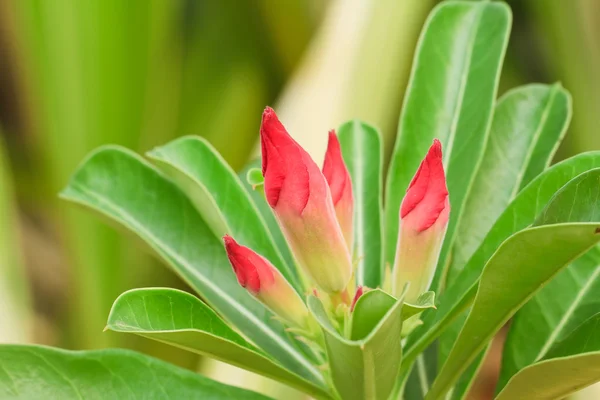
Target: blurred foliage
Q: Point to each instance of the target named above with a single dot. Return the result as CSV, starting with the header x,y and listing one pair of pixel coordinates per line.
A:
x,y
78,74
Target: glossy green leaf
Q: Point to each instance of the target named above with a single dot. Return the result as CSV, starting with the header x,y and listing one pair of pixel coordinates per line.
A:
x,y
374,304
579,201
520,214
180,319
460,391
362,151
526,130
127,190
524,263
370,308
424,302
366,368
580,195
569,366
423,372
567,301
527,126
219,196
37,372
450,96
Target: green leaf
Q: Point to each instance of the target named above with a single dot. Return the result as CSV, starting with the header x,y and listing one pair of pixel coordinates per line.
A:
x,y
450,96
460,391
175,317
424,302
527,126
255,177
526,130
520,214
571,365
423,372
579,200
370,308
37,372
567,301
219,196
551,130
523,264
580,194
128,191
366,368
373,305
362,151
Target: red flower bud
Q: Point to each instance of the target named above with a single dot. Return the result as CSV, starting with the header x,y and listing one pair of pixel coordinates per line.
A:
x,y
340,184
424,217
300,197
427,195
265,282
359,292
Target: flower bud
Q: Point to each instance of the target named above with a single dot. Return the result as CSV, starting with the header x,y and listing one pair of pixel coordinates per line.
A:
x,y
359,292
340,185
265,282
423,220
300,197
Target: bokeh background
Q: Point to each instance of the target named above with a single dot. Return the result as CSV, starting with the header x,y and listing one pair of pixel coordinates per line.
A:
x,y
78,74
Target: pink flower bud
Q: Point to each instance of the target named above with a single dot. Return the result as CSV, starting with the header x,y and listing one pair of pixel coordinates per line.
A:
x,y
423,220
265,282
340,184
300,197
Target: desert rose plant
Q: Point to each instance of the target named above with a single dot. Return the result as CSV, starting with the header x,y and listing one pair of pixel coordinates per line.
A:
x,y
323,279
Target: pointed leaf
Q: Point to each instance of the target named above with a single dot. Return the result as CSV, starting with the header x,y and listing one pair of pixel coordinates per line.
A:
x,y
567,301
520,214
38,372
529,270
527,127
526,130
182,320
124,188
362,151
366,368
219,196
370,308
450,96
524,263
569,366
424,302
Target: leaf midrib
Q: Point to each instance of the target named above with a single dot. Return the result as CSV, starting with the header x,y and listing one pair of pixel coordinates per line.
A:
x,y
568,314
160,155
160,247
534,140
463,83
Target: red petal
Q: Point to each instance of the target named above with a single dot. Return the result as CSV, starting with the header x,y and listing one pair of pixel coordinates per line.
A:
x,y
359,292
284,164
427,193
335,170
251,269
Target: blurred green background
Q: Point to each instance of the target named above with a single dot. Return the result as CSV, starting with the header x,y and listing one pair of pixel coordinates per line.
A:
x,y
77,74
